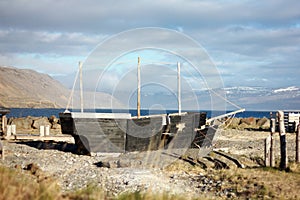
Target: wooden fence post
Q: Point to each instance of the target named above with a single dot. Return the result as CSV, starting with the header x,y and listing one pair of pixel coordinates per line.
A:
x,y
42,131
13,129
4,124
267,151
283,149
272,152
47,130
2,150
298,143
8,131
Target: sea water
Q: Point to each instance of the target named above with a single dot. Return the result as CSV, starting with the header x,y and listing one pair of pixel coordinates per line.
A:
x,y
47,112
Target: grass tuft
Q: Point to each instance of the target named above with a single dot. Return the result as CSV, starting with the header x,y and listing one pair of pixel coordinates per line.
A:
x,y
15,185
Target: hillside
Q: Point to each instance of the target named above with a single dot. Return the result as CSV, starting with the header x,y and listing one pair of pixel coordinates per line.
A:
x,y
24,88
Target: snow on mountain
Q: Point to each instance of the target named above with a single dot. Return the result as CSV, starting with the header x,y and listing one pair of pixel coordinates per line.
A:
x,y
263,98
288,89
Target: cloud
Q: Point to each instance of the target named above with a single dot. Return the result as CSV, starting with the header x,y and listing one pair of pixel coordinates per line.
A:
x,y
242,37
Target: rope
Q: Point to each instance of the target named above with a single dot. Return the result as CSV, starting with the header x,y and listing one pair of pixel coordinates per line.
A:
x,y
233,104
72,92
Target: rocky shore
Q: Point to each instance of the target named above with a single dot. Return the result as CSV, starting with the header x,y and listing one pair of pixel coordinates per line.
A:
x,y
191,177
31,124
250,123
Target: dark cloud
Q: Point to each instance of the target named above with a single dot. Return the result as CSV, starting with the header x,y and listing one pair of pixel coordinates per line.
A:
x,y
111,16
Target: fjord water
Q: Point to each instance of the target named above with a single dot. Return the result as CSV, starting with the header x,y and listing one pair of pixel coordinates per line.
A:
x,y
47,112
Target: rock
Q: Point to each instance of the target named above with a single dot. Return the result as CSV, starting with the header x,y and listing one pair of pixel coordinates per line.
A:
x,y
22,123
263,123
233,123
53,120
32,167
43,121
122,163
103,164
243,126
266,126
56,126
249,121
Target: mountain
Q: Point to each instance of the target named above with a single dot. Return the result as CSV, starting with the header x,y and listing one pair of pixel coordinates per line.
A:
x,y
248,97
25,88
262,98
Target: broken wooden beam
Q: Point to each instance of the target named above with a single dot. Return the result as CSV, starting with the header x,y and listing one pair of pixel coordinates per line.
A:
x,y
56,138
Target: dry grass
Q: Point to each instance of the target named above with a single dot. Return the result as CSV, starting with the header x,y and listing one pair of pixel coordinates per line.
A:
x,y
256,183
262,183
149,196
15,185
249,183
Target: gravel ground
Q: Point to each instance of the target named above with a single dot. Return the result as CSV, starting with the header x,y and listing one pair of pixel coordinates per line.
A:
x,y
119,173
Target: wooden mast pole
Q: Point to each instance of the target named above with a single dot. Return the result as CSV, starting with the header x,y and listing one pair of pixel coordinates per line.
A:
x,y
178,88
81,86
139,88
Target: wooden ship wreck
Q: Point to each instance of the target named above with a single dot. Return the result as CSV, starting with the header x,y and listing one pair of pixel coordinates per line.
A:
x,y
121,132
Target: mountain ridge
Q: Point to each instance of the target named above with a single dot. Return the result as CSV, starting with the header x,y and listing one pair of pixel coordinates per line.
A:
x,y
26,88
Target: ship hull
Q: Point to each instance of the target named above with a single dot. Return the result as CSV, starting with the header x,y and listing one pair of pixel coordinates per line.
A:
x,y
119,132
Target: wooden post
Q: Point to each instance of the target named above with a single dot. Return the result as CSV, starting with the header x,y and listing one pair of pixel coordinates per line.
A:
x,y
283,149
139,88
8,132
42,131
267,151
2,150
272,153
81,87
178,88
47,130
4,124
13,129
298,143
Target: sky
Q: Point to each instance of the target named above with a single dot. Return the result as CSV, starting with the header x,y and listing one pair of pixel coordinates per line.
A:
x,y
252,43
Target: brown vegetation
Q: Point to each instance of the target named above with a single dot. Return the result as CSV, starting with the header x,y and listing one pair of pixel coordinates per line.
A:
x,y
29,181
259,183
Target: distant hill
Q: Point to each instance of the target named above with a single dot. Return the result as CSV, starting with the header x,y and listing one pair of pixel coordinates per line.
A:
x,y
25,88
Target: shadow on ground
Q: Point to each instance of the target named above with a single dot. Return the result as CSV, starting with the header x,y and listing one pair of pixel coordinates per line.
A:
x,y
48,145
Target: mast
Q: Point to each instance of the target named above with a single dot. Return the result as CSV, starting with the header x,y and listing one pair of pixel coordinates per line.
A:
x,y
178,88
72,92
139,88
81,87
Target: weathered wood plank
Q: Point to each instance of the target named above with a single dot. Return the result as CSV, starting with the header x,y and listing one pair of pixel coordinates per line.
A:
x,y
143,134
60,138
267,151
283,148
